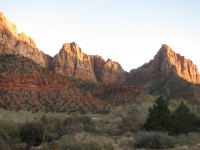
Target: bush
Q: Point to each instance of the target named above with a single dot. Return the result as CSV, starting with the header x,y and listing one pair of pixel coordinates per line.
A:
x,y
8,130
126,142
32,133
4,145
85,141
129,123
154,140
75,124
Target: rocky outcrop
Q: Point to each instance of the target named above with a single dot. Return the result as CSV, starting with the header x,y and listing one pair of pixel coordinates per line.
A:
x,y
120,94
117,89
112,72
72,62
13,43
192,97
97,63
33,82
165,64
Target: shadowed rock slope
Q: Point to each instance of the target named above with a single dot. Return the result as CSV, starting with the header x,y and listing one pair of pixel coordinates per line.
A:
x,y
71,62
26,85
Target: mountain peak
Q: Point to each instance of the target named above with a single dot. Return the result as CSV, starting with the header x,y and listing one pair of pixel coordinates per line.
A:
x,y
167,63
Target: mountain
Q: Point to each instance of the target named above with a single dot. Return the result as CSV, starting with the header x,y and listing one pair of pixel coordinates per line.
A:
x,y
72,62
165,64
26,85
168,74
73,80
13,43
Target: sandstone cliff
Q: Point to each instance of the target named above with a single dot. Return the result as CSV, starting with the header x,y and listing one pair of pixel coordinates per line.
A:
x,y
165,64
72,62
32,82
121,94
13,43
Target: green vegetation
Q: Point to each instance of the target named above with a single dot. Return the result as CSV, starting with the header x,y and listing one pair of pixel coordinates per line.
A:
x,y
169,87
159,117
17,64
32,133
154,140
181,121
120,129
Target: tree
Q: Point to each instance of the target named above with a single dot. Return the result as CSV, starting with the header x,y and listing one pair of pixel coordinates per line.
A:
x,y
183,121
32,133
129,123
75,124
159,117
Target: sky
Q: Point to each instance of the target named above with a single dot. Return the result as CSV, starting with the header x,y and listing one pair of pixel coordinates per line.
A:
x,y
129,32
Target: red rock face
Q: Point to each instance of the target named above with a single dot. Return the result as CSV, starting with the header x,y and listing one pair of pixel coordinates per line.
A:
x,y
117,89
166,63
72,62
12,43
193,97
33,82
112,72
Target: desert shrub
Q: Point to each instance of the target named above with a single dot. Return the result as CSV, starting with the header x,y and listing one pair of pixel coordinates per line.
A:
x,y
31,133
127,134
154,140
129,123
75,124
8,130
4,145
190,138
85,141
65,141
126,142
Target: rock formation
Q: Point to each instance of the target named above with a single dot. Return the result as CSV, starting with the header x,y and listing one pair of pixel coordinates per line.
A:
x,y
117,89
112,72
165,64
33,82
72,62
13,43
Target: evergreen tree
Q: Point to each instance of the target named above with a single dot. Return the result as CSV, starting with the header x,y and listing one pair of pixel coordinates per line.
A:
x,y
183,121
159,117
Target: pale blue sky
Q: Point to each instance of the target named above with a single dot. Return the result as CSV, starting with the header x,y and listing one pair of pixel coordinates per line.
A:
x,y
127,31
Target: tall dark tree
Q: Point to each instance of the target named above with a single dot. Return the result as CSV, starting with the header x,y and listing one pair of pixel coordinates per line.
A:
x,y
183,121
159,116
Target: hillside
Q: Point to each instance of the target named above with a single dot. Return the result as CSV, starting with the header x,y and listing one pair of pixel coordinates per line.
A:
x,y
28,86
73,80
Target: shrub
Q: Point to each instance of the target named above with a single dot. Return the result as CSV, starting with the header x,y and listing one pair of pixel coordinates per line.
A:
x,y
32,133
8,130
4,145
75,124
129,123
85,141
154,140
126,142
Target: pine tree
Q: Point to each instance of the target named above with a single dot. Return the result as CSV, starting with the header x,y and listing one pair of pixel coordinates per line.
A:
x,y
183,121
159,117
